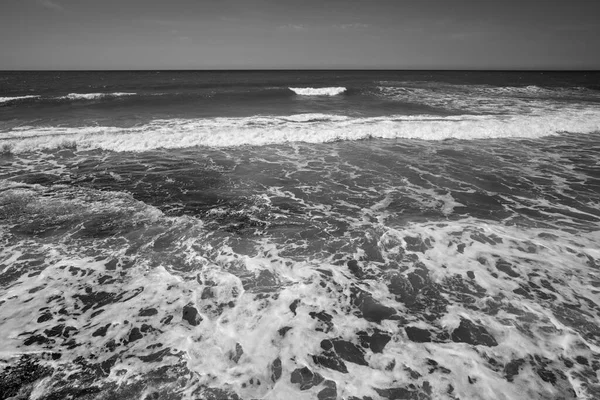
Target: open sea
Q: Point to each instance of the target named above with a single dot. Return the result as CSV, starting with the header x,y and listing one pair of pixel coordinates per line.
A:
x,y
278,235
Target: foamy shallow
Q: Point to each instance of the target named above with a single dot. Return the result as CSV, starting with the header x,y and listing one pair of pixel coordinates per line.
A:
x,y
309,128
123,303
326,91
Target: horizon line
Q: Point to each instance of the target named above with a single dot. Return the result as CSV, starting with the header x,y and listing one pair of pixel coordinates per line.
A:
x,y
304,69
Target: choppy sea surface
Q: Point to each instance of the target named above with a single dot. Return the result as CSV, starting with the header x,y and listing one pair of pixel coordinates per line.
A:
x,y
299,235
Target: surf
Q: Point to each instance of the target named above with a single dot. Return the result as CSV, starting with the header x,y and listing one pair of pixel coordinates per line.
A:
x,y
225,132
325,91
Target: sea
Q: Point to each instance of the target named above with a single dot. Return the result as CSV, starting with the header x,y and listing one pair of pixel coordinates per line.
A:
x,y
353,235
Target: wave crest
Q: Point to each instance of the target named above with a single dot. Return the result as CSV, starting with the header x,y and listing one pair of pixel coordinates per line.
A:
x,y
94,96
17,98
325,91
309,128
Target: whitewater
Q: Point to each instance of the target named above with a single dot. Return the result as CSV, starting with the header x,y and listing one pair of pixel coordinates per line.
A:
x,y
299,235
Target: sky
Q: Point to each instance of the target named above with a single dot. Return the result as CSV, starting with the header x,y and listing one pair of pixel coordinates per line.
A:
x,y
300,34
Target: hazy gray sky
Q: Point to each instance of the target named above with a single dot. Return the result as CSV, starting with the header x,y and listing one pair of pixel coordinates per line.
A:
x,y
233,34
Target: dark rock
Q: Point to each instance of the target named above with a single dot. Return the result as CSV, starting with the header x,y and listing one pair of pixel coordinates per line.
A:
x,y
191,315
306,378
329,392
417,334
276,369
471,274
469,332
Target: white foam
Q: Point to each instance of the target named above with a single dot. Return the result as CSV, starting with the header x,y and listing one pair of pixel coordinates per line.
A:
x,y
309,128
325,91
94,96
17,98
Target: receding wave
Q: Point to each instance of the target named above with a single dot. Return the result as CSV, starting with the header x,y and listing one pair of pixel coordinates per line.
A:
x,y
325,91
16,98
94,96
310,128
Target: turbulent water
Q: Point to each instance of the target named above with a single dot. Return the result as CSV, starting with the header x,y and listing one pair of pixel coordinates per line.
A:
x,y
299,235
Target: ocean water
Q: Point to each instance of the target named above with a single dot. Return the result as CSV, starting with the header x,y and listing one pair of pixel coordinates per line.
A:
x,y
300,235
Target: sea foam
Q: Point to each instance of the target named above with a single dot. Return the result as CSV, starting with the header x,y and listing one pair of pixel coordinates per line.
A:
x,y
17,98
325,91
309,128
94,96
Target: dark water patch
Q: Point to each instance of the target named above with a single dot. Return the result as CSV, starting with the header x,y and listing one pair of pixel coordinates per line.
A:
x,y
376,341
417,334
471,333
305,378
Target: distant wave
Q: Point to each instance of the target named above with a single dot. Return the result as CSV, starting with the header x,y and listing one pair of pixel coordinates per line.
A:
x,y
485,98
94,96
310,128
325,91
17,98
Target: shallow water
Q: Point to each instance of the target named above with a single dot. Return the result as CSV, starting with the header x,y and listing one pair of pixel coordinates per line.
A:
x,y
389,267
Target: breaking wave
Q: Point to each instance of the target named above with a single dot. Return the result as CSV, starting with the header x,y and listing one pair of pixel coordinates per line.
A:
x,y
325,91
309,128
94,96
17,98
